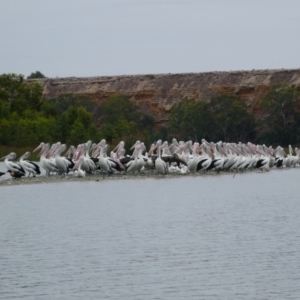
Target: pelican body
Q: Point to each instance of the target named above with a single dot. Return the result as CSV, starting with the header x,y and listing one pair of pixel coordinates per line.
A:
x,y
11,165
29,166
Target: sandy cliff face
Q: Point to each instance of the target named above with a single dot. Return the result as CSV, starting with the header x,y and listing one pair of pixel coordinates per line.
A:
x,y
156,94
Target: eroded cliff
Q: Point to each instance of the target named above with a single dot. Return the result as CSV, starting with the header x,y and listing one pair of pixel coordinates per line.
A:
x,y
156,94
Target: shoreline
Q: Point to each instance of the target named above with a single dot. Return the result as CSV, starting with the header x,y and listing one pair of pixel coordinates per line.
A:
x,y
94,177
43,179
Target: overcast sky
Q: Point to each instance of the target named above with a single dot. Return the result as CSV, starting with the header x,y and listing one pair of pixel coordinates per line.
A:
x,y
116,37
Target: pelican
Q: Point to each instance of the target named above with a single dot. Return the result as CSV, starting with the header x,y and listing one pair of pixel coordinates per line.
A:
x,y
138,163
297,160
279,157
206,158
263,164
88,164
141,158
160,165
47,163
184,170
149,164
192,164
62,163
107,164
118,155
220,158
78,172
29,166
132,165
13,166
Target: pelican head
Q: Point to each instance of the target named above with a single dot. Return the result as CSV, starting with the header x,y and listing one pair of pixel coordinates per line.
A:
x,y
40,146
10,156
26,155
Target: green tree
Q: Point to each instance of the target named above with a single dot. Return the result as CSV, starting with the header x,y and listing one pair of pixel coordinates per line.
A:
x,y
77,126
78,133
4,110
281,109
5,132
26,118
11,87
116,108
49,109
64,101
190,120
120,118
84,117
230,119
33,93
36,74
70,115
19,95
119,107
280,104
19,105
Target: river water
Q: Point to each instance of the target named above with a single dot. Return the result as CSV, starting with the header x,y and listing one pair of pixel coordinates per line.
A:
x,y
203,237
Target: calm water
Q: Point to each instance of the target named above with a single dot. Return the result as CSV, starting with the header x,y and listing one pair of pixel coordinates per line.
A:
x,y
207,237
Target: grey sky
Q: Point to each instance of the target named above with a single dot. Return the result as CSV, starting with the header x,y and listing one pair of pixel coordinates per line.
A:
x,y
113,37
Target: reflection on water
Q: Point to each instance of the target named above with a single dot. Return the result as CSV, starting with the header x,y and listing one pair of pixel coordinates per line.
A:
x,y
206,237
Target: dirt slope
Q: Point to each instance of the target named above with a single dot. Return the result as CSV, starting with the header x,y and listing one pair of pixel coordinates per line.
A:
x,y
156,94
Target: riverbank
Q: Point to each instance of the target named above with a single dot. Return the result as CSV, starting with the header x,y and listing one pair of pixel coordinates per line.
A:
x,y
94,177
43,179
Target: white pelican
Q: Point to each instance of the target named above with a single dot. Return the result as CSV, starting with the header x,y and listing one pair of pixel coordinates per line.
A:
x,y
279,157
88,164
132,165
29,166
192,163
205,159
160,165
47,163
78,172
263,164
13,166
62,163
149,164
107,164
138,161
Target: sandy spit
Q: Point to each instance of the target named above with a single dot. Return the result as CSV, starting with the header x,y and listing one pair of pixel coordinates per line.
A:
x,y
94,177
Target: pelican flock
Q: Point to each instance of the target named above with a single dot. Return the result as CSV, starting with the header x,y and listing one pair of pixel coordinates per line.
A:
x,y
162,158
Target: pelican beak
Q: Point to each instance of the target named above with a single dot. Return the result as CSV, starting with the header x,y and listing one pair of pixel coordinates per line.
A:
x,y
136,143
117,147
40,146
152,150
119,152
68,152
76,165
120,164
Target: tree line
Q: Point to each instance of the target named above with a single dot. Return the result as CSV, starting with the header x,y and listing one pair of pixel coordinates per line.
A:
x,y
226,118
27,118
